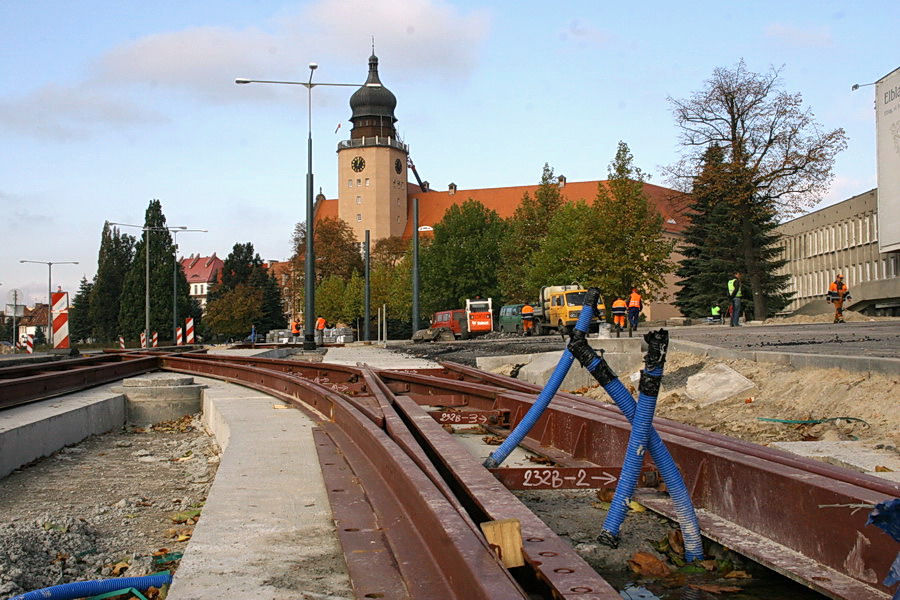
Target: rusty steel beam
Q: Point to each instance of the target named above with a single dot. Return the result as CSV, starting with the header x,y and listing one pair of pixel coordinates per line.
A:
x,y
38,386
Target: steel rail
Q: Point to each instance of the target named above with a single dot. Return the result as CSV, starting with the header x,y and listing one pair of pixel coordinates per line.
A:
x,y
782,511
437,554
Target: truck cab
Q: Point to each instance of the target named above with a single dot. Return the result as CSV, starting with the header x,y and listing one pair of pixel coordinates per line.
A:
x,y
560,307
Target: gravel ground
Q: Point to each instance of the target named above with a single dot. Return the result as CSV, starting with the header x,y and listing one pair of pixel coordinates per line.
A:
x,y
119,504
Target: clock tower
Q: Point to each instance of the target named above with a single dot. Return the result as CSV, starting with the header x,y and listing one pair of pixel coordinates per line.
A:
x,y
372,164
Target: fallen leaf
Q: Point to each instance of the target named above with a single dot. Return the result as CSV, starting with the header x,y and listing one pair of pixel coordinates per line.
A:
x,y
541,460
676,541
492,440
606,494
737,575
748,400
882,469
119,568
715,589
636,506
646,564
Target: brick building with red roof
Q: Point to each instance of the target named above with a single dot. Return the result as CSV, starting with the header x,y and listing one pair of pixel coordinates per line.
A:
x,y
374,193
201,272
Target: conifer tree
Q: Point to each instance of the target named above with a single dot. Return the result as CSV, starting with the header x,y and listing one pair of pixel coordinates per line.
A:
x,y
80,325
156,240
113,262
244,267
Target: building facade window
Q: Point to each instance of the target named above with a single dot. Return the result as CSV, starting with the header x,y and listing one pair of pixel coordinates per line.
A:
x,y
358,217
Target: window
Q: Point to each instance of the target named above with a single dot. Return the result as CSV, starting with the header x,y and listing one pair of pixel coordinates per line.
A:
x,y
398,218
367,182
349,183
359,199
359,183
358,217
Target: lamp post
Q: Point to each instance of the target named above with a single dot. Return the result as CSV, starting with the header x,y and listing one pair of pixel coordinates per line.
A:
x,y
175,231
50,264
309,309
146,231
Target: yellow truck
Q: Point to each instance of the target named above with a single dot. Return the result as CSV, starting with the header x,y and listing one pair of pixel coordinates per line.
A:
x,y
559,308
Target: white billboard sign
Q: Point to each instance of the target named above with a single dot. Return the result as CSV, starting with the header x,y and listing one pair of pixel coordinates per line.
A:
x,y
887,140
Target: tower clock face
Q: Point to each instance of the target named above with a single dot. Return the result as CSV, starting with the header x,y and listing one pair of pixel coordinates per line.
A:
x,y
398,166
358,164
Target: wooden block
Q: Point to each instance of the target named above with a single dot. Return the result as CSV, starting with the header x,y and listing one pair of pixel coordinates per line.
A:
x,y
505,537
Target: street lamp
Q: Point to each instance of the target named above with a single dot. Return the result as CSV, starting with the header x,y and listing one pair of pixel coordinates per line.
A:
x,y
50,264
146,230
309,309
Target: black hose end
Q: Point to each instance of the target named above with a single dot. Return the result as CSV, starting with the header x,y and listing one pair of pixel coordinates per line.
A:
x,y
608,539
657,346
490,463
591,297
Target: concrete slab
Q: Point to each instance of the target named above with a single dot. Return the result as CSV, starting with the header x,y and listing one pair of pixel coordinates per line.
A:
x,y
267,530
857,456
717,383
377,357
39,429
156,397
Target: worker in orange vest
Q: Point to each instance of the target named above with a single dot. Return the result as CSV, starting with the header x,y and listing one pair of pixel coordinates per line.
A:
x,y
527,319
320,330
837,293
619,310
635,305
295,330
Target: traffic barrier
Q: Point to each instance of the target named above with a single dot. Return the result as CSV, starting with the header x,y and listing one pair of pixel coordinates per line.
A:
x,y
29,344
155,339
143,339
121,343
189,327
60,321
178,341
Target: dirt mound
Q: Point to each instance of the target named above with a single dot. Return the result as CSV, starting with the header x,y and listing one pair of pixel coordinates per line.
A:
x,y
849,316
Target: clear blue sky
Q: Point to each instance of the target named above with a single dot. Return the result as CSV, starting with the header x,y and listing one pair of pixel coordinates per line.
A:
x,y
107,105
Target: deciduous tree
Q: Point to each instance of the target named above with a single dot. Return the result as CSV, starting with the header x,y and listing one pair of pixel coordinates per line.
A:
x,y
779,159
235,311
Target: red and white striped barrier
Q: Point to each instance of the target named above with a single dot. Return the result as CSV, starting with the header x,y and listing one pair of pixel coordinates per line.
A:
x,y
60,319
178,340
189,330
121,343
143,339
155,339
29,344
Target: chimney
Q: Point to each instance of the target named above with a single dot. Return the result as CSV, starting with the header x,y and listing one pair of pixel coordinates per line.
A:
x,y
452,188
562,181
426,186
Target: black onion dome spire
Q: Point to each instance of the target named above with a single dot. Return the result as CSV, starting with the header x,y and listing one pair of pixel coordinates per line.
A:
x,y
373,103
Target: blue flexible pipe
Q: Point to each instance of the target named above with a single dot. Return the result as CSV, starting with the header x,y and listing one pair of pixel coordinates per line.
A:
x,y
634,459
668,470
84,589
540,405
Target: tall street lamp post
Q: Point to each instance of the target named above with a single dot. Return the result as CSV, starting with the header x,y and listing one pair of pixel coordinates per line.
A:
x,y
309,310
175,231
49,264
147,231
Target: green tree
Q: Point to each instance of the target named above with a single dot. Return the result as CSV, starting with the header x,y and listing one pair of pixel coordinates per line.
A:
x,y
631,249
354,299
80,325
235,311
330,298
779,159
461,261
157,241
113,262
244,267
566,254
526,229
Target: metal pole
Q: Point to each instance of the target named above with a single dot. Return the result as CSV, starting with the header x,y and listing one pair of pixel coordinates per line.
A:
x,y
309,340
147,288
174,288
415,267
49,336
384,321
366,308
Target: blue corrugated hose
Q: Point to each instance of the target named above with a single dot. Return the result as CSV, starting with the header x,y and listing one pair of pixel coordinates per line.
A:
x,y
537,409
84,589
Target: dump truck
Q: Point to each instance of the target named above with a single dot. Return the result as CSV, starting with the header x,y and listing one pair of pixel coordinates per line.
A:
x,y
559,307
476,318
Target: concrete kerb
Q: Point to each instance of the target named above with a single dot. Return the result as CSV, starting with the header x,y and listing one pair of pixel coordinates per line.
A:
x,y
798,360
267,522
41,428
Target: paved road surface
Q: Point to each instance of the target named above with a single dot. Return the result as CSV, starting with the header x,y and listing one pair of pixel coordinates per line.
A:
x,y
872,338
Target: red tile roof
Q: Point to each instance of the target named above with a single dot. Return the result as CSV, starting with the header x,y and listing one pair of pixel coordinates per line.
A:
x,y
433,204
202,269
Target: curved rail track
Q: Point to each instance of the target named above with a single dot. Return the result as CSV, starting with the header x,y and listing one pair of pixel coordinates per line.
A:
x,y
402,485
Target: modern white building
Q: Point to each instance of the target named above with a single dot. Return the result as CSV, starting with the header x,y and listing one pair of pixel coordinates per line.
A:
x,y
842,238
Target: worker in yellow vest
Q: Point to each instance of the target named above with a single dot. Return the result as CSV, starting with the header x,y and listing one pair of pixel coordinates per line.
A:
x,y
635,305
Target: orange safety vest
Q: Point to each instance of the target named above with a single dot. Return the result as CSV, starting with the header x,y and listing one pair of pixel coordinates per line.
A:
x,y
619,307
320,323
295,327
634,301
527,310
